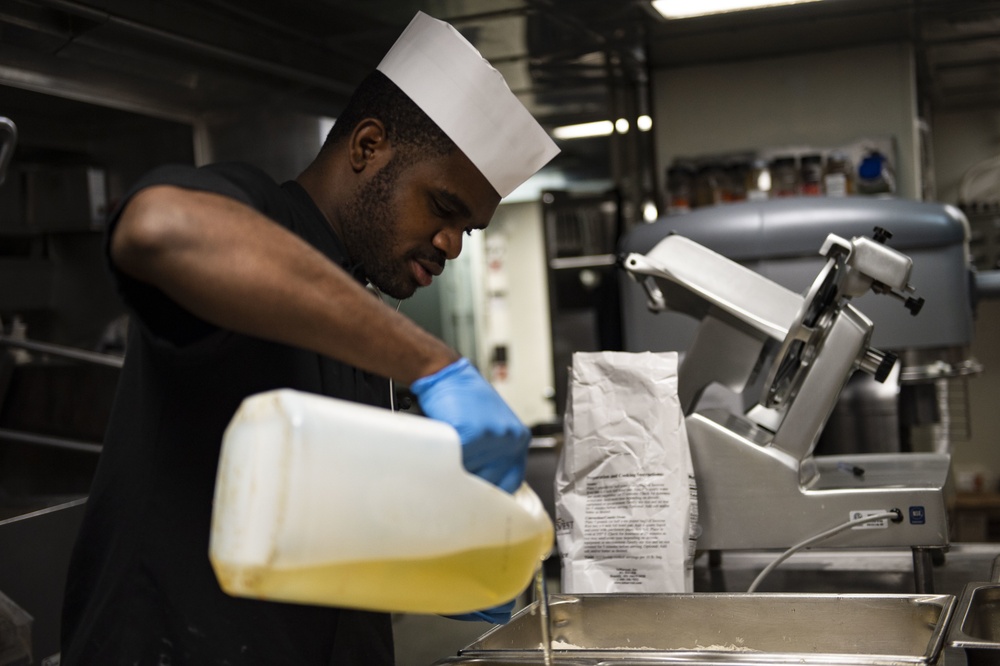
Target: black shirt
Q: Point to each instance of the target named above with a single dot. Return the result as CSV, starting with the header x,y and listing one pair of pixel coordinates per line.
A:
x,y
140,588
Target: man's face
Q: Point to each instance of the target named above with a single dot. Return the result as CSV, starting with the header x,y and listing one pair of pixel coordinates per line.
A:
x,y
406,221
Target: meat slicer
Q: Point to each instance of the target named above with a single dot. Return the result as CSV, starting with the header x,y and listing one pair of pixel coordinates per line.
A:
x,y
784,358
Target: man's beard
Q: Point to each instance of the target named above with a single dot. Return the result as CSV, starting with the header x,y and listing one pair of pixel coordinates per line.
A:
x,y
370,231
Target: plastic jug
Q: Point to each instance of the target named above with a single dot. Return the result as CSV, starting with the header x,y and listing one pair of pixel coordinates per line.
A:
x,y
323,501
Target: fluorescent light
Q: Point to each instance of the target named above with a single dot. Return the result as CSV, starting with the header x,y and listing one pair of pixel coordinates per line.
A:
x,y
599,128
673,9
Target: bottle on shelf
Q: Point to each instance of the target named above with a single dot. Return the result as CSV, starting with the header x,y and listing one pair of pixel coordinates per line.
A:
x,y
709,185
784,177
811,183
875,174
680,188
758,181
736,181
838,176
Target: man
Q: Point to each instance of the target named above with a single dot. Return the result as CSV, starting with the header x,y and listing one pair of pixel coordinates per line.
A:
x,y
238,285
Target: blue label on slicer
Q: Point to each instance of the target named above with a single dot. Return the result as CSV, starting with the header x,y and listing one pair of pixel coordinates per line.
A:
x,y
917,516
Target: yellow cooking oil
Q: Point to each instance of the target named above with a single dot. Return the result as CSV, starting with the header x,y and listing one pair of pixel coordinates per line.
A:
x,y
455,582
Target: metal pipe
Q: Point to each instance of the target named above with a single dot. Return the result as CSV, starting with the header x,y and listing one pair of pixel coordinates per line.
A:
x,y
64,352
923,570
221,53
9,131
54,442
988,284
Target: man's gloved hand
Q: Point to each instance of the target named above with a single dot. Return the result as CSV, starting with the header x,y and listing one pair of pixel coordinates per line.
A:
x,y
494,441
498,615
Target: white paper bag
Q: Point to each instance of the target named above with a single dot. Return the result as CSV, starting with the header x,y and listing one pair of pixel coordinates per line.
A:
x,y
626,501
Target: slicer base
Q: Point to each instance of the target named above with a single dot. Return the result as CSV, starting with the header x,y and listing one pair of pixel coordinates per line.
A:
x,y
753,496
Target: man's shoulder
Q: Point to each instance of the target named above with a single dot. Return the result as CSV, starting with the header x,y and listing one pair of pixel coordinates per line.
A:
x,y
244,174
233,179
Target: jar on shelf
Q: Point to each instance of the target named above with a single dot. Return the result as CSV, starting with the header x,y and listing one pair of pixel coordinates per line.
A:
x,y
838,175
735,183
680,188
784,177
811,183
709,185
758,180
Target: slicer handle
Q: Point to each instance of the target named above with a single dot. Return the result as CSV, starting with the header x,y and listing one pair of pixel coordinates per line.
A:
x,y
878,363
881,235
914,305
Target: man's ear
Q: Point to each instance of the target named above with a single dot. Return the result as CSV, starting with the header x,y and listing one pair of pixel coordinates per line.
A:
x,y
369,145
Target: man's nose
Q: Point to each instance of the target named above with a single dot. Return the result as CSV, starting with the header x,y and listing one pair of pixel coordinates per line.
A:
x,y
449,241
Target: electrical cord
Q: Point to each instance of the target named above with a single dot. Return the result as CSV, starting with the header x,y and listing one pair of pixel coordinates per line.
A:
x,y
392,387
894,515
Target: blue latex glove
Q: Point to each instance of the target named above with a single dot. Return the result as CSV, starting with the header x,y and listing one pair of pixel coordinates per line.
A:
x,y
498,615
494,441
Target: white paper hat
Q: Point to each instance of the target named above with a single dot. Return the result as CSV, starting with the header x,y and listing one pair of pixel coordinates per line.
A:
x,y
469,100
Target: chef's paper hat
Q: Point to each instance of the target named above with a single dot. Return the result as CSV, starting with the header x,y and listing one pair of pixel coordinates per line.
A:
x,y
469,100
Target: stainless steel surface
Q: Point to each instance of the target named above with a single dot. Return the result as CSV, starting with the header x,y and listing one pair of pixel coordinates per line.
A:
x,y
923,569
934,395
724,628
424,640
35,549
974,634
784,358
750,495
977,621
930,364
62,351
988,284
47,440
844,570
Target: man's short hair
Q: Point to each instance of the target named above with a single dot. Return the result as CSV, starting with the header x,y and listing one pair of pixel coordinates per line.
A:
x,y
407,126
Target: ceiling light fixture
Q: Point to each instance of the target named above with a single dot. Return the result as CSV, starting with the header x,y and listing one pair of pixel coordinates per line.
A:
x,y
584,130
674,9
649,212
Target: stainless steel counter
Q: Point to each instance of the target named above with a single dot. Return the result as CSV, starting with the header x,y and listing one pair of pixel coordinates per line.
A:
x,y
845,571
725,630
966,571
873,573
34,548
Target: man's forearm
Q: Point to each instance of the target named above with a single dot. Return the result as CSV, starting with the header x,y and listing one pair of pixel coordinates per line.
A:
x,y
233,267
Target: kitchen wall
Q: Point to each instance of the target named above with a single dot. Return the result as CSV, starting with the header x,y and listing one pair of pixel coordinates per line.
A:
x,y
283,144
959,141
522,313
824,99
